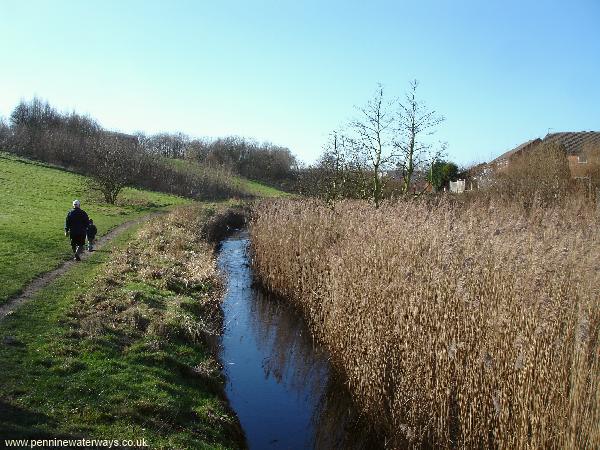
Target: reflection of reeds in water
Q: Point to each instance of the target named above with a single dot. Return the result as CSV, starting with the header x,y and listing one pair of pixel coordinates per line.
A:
x,y
339,424
294,359
301,364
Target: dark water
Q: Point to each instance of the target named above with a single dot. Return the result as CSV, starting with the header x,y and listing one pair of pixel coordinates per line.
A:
x,y
279,382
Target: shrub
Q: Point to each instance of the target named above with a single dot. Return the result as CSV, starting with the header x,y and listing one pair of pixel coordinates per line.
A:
x,y
540,174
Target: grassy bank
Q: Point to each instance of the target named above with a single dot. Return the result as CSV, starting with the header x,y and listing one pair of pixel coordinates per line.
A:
x,y
35,199
245,187
120,347
469,326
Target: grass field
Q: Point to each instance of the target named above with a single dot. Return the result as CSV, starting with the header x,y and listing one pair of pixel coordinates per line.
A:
x,y
116,348
258,189
35,199
248,187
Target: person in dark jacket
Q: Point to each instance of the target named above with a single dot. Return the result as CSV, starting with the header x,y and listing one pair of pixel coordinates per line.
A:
x,y
76,225
91,235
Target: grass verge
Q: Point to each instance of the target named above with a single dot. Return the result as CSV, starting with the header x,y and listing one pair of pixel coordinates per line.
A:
x,y
35,199
120,347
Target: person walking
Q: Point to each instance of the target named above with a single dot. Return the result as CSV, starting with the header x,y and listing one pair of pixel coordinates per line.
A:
x,y
76,225
91,235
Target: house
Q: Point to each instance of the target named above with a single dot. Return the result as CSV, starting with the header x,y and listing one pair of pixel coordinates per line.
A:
x,y
503,160
583,151
582,148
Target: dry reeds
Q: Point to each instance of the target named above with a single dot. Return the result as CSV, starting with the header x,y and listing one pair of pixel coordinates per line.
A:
x,y
473,325
164,284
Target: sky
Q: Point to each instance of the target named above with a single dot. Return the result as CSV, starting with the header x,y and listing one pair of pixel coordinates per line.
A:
x,y
290,72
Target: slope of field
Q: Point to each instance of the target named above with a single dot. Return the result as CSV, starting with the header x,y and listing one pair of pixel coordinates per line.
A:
x,y
257,189
34,200
246,186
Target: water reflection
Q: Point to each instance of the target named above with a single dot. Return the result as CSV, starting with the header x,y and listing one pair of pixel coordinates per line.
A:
x,y
278,381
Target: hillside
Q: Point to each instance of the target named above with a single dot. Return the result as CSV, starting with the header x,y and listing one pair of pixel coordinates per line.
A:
x,y
248,187
35,199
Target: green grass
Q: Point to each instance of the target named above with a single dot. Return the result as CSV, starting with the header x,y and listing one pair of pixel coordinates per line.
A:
x,y
35,199
55,382
258,189
249,187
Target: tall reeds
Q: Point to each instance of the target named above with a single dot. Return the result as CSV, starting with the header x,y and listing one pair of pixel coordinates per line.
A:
x,y
469,325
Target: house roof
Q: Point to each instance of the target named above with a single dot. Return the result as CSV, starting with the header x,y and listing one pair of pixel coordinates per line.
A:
x,y
574,142
508,154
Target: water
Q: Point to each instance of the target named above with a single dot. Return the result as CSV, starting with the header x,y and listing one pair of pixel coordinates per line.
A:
x,y
278,381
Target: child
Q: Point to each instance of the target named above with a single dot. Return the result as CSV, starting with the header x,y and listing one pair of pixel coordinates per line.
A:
x,y
91,235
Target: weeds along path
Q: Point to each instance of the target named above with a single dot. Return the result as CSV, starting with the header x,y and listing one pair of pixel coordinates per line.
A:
x,y
45,279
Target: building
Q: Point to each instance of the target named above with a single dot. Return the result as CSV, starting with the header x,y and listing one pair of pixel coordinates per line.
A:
x,y
457,187
582,148
583,151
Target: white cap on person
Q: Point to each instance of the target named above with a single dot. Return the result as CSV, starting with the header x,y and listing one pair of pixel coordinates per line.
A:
x,y
76,204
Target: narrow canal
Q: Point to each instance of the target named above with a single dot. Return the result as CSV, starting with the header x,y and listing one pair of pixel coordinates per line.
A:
x,y
277,381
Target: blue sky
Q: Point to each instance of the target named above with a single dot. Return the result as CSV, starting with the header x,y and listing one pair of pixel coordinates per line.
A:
x,y
289,72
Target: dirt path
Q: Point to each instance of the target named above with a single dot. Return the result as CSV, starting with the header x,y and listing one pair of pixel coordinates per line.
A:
x,y
45,279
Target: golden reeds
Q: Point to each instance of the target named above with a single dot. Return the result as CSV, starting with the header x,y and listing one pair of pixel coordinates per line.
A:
x,y
473,325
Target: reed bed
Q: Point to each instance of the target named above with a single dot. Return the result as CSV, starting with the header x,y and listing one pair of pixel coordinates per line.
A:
x,y
473,325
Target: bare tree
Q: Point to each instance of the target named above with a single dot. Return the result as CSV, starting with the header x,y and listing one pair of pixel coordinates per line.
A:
x,y
335,168
334,165
372,141
4,133
414,123
114,164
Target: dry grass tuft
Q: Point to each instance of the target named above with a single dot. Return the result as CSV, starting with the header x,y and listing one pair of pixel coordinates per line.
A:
x,y
473,325
164,285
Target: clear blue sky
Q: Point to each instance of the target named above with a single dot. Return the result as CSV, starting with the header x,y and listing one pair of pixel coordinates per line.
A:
x,y
290,72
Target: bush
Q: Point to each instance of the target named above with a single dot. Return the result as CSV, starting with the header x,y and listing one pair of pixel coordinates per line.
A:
x,y
540,174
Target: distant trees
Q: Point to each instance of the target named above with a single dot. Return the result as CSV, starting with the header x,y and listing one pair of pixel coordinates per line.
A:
x,y
336,175
39,131
381,152
4,133
167,145
113,160
258,161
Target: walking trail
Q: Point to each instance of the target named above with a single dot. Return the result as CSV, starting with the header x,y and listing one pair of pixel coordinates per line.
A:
x,y
45,279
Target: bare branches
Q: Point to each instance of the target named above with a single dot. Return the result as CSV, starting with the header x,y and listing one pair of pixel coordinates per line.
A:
x,y
372,140
115,164
387,139
415,122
